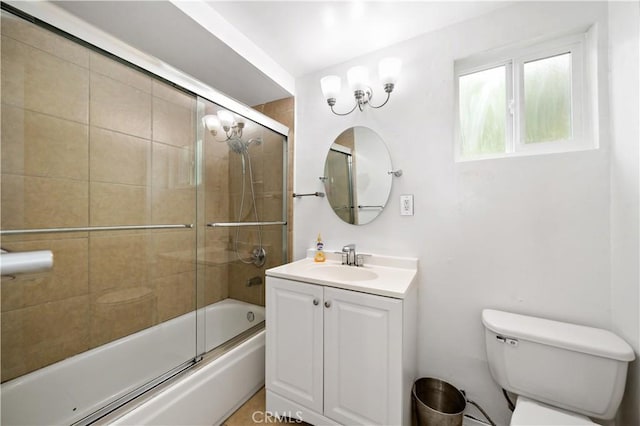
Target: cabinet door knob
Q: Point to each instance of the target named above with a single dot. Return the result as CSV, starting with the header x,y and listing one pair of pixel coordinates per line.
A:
x,y
316,301
327,304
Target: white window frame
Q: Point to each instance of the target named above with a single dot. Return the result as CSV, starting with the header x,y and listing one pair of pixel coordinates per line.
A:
x,y
583,101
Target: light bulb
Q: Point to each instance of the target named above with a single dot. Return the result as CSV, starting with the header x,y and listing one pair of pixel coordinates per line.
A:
x,y
226,118
239,123
330,86
389,69
358,78
211,122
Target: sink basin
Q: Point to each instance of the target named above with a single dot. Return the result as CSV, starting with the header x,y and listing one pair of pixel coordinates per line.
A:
x,y
383,275
341,273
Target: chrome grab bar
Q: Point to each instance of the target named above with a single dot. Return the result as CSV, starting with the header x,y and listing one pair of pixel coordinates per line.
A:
x,y
91,229
236,224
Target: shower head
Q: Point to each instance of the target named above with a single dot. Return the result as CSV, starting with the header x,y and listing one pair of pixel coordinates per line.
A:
x,y
239,146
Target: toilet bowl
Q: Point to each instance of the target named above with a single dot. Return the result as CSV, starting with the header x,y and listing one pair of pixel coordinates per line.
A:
x,y
563,374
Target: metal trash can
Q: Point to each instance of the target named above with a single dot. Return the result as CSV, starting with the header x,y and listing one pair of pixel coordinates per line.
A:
x,y
437,403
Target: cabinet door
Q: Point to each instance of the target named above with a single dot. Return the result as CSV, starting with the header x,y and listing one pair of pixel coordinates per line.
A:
x,y
294,341
363,358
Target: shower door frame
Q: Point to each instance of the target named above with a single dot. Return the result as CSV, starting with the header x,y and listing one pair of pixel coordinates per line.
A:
x,y
52,18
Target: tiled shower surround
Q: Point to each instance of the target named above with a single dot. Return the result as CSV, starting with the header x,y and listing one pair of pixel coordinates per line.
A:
x,y
89,141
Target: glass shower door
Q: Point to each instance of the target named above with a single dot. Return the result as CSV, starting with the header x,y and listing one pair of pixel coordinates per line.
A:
x,y
160,229
340,184
98,166
242,230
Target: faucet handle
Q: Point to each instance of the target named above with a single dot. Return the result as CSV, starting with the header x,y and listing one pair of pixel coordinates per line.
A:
x,y
344,256
360,259
349,248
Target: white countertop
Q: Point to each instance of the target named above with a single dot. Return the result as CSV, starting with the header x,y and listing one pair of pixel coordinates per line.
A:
x,y
394,275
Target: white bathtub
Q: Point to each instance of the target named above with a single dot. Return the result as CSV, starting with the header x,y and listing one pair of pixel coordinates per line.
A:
x,y
210,394
69,390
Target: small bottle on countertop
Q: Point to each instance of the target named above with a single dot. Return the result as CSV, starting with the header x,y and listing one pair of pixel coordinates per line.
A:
x,y
319,257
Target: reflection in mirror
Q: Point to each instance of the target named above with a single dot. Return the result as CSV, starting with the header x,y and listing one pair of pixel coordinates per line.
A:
x,y
356,175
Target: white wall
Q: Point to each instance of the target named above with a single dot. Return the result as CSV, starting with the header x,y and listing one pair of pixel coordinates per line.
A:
x,y
624,57
528,234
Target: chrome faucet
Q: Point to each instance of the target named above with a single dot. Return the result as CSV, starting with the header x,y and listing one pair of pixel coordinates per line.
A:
x,y
349,252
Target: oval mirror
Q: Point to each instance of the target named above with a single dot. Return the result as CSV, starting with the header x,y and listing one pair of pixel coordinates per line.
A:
x,y
356,175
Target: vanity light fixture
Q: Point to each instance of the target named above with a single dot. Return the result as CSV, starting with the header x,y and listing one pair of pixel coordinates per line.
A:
x,y
224,120
358,79
232,128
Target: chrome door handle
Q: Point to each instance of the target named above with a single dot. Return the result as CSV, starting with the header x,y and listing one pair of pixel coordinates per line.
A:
x,y
316,301
327,304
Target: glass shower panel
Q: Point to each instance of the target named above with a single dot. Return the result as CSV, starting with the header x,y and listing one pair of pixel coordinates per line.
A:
x,y
340,184
89,142
242,182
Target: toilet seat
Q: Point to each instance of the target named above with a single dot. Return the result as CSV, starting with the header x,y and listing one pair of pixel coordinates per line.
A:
x,y
529,412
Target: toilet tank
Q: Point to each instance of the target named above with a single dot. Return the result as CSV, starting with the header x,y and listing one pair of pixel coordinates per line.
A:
x,y
578,368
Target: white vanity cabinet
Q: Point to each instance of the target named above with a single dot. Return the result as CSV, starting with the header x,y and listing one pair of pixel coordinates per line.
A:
x,y
295,341
339,356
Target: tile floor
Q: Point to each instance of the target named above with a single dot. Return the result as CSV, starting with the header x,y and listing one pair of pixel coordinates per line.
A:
x,y
253,413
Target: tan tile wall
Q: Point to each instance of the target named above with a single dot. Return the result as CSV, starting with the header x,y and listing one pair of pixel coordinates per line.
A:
x,y
213,248
87,141
282,111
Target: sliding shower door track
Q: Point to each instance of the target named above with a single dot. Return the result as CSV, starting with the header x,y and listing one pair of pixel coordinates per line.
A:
x,y
131,396
130,402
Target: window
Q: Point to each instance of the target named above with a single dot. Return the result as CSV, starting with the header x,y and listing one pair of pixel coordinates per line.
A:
x,y
525,101
547,99
483,111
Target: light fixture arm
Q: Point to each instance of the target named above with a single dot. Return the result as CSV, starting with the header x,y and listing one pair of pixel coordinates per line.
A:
x,y
214,133
361,100
363,97
236,130
387,88
332,102
231,132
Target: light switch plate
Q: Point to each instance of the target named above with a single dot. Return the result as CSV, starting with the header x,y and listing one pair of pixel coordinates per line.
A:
x,y
406,205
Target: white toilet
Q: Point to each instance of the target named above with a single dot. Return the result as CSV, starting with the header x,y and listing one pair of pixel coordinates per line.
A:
x,y
562,373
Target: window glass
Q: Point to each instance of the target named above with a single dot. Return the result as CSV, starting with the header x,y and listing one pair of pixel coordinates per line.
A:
x,y
547,99
482,100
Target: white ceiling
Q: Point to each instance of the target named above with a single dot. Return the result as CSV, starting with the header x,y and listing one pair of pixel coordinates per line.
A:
x,y
160,29
306,36
297,37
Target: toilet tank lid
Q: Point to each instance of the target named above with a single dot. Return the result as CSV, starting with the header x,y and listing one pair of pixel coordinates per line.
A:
x,y
579,338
